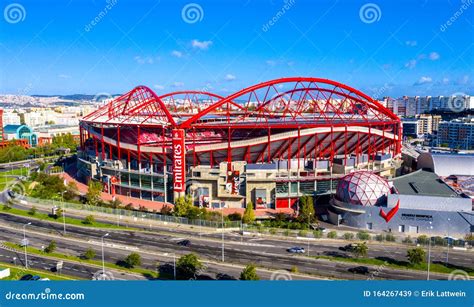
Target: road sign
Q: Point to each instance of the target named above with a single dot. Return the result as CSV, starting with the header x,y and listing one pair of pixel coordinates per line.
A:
x,y
59,265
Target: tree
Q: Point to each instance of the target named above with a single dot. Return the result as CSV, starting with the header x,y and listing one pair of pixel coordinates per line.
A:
x,y
416,255
93,193
348,236
360,250
188,265
51,247
363,235
249,273
423,239
306,209
132,260
89,254
332,235
32,211
249,214
183,205
89,220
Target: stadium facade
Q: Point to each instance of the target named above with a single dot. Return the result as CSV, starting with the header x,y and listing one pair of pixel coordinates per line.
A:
x,y
267,144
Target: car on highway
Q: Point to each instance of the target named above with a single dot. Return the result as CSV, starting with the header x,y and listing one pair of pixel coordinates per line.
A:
x,y
26,277
359,270
184,243
296,250
36,277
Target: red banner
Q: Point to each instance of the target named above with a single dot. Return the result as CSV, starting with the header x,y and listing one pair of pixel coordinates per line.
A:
x,y
179,166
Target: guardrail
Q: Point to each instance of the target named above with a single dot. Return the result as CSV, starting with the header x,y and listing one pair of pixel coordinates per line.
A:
x,y
134,214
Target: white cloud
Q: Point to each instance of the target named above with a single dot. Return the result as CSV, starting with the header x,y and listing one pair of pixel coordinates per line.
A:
x,y
445,80
434,56
423,80
145,60
177,53
203,45
177,84
63,76
159,87
410,64
270,62
411,43
229,77
464,80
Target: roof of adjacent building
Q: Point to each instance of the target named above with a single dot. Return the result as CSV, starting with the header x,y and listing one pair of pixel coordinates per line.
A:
x,y
12,128
423,183
447,164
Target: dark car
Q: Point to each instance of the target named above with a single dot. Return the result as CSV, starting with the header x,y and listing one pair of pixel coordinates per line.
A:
x,y
26,277
296,250
36,277
184,243
359,270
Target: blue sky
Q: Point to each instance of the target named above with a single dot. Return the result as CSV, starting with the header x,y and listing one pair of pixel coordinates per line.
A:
x,y
405,48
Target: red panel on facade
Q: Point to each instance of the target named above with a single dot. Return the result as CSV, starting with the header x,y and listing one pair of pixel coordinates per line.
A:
x,y
283,203
179,167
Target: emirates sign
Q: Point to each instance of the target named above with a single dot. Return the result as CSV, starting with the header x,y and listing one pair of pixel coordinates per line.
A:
x,y
179,166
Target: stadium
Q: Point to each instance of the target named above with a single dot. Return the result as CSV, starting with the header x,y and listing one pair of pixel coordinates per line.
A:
x,y
268,144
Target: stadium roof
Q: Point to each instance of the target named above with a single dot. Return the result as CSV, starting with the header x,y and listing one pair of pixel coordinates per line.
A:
x,y
447,164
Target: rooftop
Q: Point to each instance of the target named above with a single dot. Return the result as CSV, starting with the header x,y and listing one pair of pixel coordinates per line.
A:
x,y
423,183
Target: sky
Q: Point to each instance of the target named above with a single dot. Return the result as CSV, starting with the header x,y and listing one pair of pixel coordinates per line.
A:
x,y
384,48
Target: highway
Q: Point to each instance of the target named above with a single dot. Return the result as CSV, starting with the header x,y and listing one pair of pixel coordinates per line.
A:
x,y
262,252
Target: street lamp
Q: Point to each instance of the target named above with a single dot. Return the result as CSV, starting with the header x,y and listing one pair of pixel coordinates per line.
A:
x,y
64,212
222,215
25,244
103,259
429,253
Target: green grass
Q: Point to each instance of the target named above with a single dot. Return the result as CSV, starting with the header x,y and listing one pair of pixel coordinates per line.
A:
x,y
73,258
5,178
69,220
17,272
434,267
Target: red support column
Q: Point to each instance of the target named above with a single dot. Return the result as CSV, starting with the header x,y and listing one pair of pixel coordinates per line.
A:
x,y
119,156
138,148
102,142
345,146
163,148
299,147
269,146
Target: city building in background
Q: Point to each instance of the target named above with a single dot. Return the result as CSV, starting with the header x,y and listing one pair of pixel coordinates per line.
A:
x,y
457,133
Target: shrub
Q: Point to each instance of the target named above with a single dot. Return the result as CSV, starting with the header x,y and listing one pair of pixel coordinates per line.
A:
x,y
302,233
88,220
380,237
249,273
89,254
390,237
272,231
407,240
133,260
32,211
363,235
416,255
317,234
332,235
51,247
423,239
188,266
348,236
287,233
294,269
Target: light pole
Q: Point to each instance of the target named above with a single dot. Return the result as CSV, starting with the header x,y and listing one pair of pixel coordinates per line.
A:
x,y
200,225
309,221
222,215
447,244
429,254
103,259
64,212
25,244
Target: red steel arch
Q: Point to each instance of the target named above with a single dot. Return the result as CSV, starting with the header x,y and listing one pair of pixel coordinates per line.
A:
x,y
312,91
